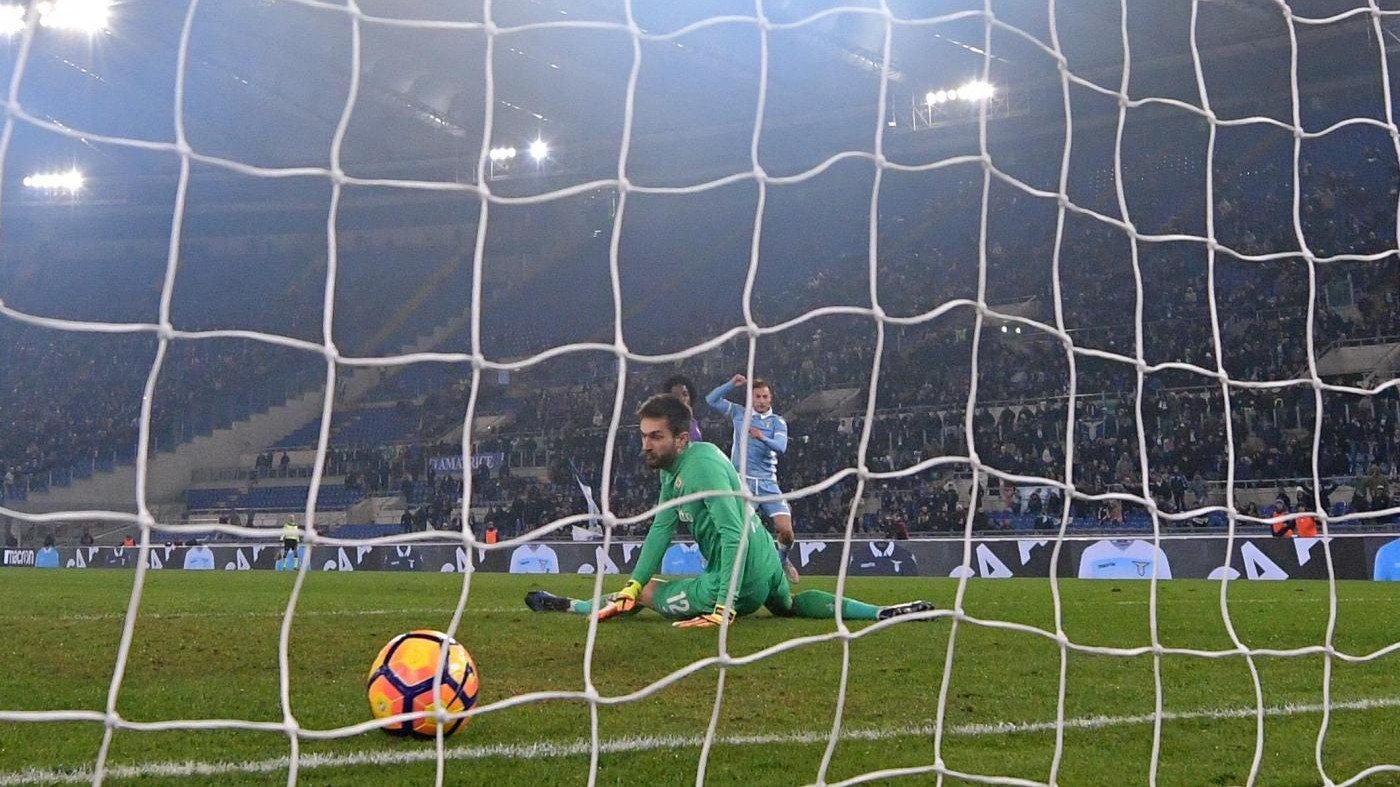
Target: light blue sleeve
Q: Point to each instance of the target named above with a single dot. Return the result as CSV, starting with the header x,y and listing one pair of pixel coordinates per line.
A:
x,y
715,399
779,440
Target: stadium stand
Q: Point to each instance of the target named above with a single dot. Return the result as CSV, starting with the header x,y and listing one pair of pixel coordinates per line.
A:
x,y
556,415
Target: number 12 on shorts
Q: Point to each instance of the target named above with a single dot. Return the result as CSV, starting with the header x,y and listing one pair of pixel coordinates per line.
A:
x,y
678,602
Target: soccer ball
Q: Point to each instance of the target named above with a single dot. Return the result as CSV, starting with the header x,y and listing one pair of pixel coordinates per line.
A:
x,y
401,681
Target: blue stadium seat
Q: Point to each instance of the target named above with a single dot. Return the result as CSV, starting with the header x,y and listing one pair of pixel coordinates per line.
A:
x,y
209,499
365,531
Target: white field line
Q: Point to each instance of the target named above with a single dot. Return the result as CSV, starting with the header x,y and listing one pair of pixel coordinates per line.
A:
x,y
1214,601
580,747
277,614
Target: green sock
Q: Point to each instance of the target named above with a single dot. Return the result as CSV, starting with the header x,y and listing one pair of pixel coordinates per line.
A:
x,y
580,606
821,604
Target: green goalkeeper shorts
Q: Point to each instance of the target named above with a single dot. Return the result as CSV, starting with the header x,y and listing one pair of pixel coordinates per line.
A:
x,y
686,598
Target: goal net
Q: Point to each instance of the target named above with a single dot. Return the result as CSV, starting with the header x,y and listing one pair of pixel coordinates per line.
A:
x,y
1078,248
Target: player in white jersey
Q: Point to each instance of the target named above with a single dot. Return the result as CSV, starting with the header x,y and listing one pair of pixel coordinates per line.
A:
x,y
534,558
767,438
1123,559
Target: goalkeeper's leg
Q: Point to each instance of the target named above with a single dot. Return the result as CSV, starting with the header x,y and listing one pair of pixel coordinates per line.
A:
x,y
679,599
821,605
544,601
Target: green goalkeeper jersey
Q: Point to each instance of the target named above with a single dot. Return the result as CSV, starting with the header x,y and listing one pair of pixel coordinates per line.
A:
x,y
717,523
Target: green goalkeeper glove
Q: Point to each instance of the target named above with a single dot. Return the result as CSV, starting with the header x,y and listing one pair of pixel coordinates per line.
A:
x,y
622,602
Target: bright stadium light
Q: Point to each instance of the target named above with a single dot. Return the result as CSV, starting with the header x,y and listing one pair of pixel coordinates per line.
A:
x,y
950,104
976,90
70,181
11,19
502,154
84,16
539,150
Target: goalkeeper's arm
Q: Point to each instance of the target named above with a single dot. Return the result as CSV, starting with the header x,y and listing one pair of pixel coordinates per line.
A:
x,y
663,528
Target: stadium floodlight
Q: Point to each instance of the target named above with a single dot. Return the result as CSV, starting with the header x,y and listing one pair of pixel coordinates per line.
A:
x,y
973,91
84,16
502,154
539,150
976,90
11,19
70,181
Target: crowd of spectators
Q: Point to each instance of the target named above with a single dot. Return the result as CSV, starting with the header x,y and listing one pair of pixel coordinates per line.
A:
x,y
1023,376
70,402
1179,419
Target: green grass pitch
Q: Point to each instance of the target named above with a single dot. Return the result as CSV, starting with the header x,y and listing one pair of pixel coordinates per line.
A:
x,y
205,647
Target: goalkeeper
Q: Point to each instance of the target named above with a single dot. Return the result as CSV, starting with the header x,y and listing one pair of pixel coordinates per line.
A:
x,y
718,524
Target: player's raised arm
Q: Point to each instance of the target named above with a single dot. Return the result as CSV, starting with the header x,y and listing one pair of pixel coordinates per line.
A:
x,y
716,398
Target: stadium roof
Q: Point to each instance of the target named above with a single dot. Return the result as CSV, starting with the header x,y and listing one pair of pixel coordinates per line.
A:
x,y
267,79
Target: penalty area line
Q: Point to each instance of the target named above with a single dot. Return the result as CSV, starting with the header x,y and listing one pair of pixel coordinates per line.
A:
x,y
580,747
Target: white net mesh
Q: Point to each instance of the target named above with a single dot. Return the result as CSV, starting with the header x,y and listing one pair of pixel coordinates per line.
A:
x,y
336,362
